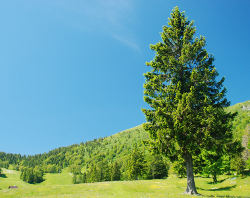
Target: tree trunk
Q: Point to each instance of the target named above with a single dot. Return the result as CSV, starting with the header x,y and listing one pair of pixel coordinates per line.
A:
x,y
191,189
215,178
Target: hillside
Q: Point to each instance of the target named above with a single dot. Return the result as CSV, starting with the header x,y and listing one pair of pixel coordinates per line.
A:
x,y
241,127
120,144
92,157
116,148
112,148
242,120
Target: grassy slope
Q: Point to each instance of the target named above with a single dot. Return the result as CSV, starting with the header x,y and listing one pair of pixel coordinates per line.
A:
x,y
59,185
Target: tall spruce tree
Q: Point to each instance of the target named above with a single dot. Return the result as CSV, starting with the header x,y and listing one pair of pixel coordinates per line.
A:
x,y
186,114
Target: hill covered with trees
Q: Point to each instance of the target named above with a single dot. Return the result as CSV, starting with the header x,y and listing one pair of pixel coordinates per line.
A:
x,y
122,156
119,157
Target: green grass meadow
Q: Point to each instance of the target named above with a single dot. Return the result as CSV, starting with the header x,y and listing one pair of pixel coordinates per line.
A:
x,y
59,185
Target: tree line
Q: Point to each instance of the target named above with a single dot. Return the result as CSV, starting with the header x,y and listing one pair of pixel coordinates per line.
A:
x,y
120,159
137,165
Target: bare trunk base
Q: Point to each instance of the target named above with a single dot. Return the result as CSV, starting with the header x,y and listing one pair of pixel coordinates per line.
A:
x,y
192,192
191,189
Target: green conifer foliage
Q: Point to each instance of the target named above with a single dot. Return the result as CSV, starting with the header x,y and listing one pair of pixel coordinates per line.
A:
x,y
115,172
136,163
156,168
186,113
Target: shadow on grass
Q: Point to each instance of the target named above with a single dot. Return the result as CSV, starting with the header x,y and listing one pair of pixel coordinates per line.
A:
x,y
3,176
227,188
218,189
219,181
245,173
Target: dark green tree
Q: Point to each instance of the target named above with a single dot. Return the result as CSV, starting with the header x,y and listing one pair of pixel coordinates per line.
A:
x,y
156,167
186,113
32,175
93,174
215,164
136,162
115,172
104,171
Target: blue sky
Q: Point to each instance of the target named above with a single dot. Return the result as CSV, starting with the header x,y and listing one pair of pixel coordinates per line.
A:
x,y
72,71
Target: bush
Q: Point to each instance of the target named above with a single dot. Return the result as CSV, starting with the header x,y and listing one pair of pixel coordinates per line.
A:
x,y
32,175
